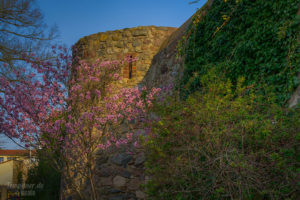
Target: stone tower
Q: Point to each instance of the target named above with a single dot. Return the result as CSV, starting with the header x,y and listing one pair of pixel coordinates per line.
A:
x,y
119,175
141,42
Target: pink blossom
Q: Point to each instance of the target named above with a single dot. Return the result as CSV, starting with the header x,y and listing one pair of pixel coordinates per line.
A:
x,y
32,107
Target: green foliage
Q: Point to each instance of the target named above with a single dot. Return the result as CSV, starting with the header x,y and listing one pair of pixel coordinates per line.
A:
x,y
256,39
223,143
44,179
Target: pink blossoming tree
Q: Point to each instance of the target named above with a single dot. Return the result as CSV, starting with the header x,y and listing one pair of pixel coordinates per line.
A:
x,y
73,114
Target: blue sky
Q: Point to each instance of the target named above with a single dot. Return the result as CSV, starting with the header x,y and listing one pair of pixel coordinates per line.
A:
x,y
79,18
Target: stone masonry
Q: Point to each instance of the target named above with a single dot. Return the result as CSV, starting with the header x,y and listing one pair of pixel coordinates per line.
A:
x,y
120,176
141,42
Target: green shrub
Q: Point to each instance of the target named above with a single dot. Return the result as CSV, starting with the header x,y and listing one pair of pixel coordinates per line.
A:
x,y
44,178
223,143
257,39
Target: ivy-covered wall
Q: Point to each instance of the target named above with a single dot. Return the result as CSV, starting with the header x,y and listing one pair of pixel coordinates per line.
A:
x,y
256,39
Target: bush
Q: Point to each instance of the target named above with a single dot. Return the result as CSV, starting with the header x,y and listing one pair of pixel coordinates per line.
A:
x,y
223,143
44,178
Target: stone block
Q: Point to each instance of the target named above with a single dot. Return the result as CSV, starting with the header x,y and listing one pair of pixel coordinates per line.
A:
x,y
101,52
101,158
103,37
134,184
138,49
136,43
116,37
119,181
129,45
140,32
114,191
142,67
140,195
146,42
125,174
116,50
119,44
126,33
157,42
147,61
106,171
139,160
119,197
102,45
121,159
106,181
109,50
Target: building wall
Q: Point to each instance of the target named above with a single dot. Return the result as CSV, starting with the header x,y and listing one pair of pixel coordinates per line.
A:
x,y
9,172
6,172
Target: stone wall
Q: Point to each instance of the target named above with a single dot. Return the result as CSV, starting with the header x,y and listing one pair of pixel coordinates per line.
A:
x,y
120,176
141,42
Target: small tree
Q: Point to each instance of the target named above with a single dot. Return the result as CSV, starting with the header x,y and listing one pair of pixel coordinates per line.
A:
x,y
71,115
93,118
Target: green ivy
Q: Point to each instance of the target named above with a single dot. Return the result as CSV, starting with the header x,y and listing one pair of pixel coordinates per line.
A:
x,y
260,42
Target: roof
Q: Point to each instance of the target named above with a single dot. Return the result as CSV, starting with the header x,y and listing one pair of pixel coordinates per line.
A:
x,y
17,152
